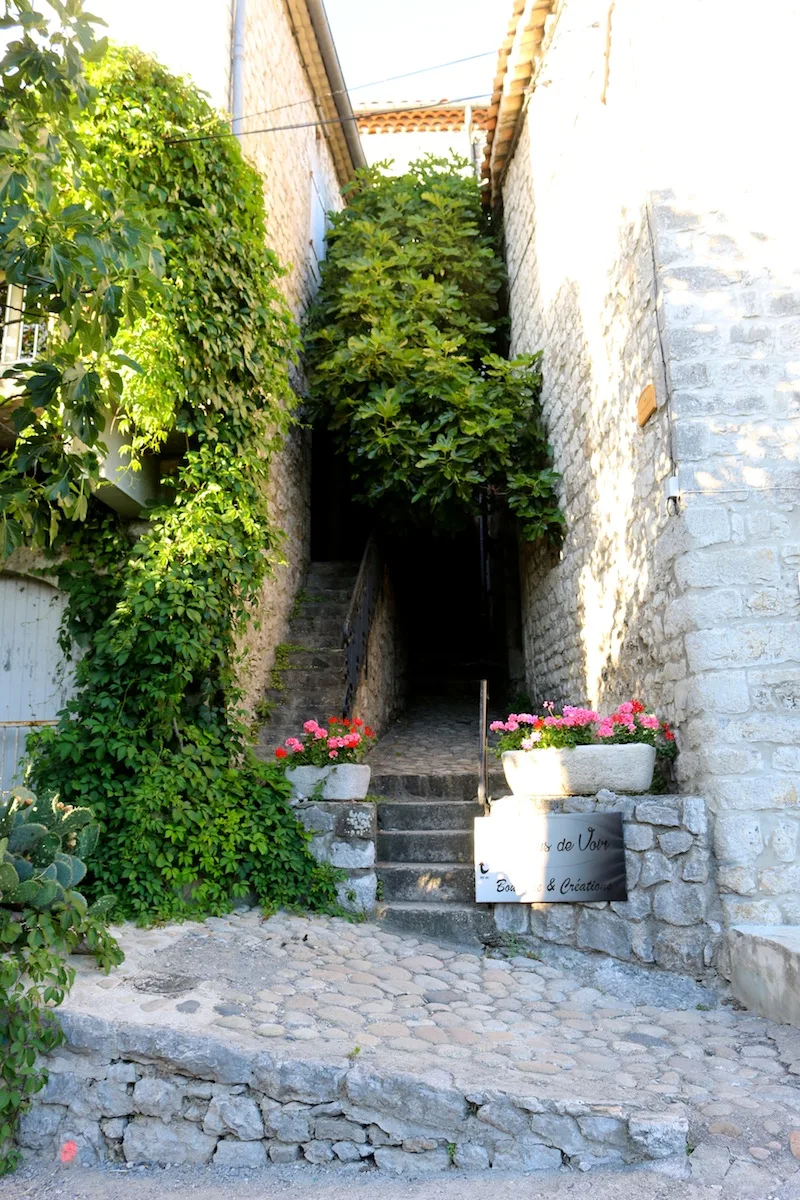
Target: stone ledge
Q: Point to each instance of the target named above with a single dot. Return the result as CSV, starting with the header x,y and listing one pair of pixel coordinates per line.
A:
x,y
147,1094
762,963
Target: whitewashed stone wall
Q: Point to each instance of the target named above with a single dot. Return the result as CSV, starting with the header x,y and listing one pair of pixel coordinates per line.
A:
x,y
642,250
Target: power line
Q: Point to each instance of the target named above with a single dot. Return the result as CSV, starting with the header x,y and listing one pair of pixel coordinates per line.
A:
x,y
211,137
264,112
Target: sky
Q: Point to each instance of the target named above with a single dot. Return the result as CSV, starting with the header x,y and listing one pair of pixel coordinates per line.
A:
x,y
379,38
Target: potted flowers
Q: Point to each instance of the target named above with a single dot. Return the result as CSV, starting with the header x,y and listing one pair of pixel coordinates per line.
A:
x,y
325,763
578,752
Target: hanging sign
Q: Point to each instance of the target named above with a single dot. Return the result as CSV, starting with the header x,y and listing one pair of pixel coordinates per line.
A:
x,y
555,858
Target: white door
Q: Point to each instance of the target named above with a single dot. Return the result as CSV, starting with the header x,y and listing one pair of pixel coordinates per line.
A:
x,y
35,683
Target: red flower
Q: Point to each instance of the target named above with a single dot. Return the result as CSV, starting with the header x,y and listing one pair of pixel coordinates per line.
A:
x,y
347,723
357,722
332,720
68,1152
538,723
638,706
368,732
669,735
280,752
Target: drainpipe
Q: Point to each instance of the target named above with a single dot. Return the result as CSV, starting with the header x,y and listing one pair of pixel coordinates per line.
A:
x,y
322,32
237,82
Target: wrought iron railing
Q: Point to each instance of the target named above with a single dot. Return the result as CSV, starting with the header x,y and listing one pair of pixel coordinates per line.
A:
x,y
358,621
483,747
13,736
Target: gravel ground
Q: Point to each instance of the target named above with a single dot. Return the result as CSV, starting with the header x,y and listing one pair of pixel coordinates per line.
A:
x,y
35,1182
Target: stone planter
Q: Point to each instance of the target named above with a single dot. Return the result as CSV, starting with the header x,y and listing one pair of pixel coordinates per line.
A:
x,y
582,771
340,781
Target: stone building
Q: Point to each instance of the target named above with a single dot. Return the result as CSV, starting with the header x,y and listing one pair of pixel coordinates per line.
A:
x,y
273,66
636,153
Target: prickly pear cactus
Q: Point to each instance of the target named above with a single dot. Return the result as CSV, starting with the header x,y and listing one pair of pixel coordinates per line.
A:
x,y
42,845
43,918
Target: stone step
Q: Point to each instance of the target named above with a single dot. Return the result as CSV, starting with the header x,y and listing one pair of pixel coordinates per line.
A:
x,y
307,680
427,846
330,574
310,659
317,633
428,814
427,883
340,596
462,786
462,924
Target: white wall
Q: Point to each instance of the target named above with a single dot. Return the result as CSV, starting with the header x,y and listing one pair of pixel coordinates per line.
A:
x,y
652,238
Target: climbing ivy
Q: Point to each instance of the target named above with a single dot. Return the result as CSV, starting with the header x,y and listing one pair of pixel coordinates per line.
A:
x,y
154,740
79,246
402,355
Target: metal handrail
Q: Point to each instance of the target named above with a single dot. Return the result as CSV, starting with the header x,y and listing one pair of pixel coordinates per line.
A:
x,y
483,747
357,623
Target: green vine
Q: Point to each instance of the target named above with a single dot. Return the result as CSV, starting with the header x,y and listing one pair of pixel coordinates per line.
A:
x,y
401,349
154,740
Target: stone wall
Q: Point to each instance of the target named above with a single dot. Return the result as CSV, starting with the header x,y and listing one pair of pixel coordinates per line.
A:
x,y
300,184
671,917
344,833
144,1094
381,688
638,260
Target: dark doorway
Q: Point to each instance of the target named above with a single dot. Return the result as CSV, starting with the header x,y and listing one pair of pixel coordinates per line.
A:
x,y
456,631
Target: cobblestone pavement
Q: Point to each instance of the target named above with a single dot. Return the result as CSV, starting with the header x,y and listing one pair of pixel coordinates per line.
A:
x,y
436,737
328,989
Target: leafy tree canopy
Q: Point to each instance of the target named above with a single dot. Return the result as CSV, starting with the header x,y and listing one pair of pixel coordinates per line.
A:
x,y
401,355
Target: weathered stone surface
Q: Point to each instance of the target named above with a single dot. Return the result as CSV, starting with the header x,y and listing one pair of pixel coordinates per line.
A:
x,y
121,1072
710,1164
503,1115
184,1053
155,1098
604,931
639,837
113,1127
238,1115
680,903
334,1129
282,1152
660,1135
654,813
230,1152
677,841
655,869
610,1130
471,1157
39,1125
346,1151
149,1140
311,1082
317,1152
352,854
562,1132
410,1098
397,1162
287,1123
524,1154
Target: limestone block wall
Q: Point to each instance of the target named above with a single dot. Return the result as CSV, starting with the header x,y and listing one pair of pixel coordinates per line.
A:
x,y
344,833
639,253
671,917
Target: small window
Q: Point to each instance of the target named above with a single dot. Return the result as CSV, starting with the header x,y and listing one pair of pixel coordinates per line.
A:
x,y
22,341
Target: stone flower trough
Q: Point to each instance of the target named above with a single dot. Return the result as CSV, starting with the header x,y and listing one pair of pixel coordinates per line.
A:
x,y
144,1094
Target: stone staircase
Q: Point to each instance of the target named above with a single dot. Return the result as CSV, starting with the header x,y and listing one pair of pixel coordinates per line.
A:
x,y
314,676
425,856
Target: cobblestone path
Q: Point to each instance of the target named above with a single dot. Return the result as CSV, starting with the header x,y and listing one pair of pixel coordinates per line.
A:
x,y
436,738
577,1026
